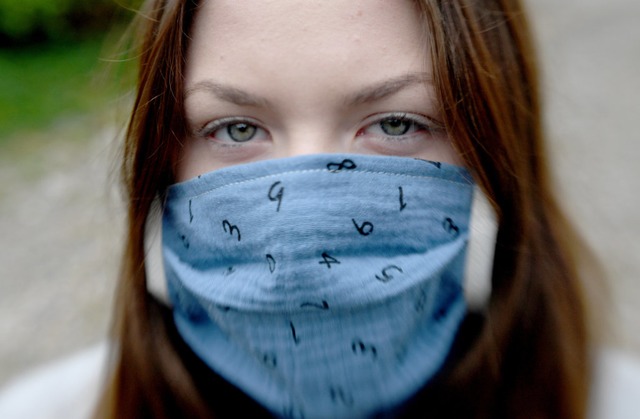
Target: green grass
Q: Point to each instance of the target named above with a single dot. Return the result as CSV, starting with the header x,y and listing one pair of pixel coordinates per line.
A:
x,y
43,84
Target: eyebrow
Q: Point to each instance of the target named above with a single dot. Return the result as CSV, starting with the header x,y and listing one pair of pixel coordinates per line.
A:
x,y
228,94
387,88
369,94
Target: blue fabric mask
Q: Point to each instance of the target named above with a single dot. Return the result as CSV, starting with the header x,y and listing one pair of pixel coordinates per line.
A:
x,y
324,285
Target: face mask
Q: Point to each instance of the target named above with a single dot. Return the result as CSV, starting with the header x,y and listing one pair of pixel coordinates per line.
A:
x,y
324,285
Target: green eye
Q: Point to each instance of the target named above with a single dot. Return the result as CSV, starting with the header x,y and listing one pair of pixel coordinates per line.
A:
x,y
241,132
395,126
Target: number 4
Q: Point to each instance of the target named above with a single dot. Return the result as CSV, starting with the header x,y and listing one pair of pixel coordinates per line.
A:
x,y
328,260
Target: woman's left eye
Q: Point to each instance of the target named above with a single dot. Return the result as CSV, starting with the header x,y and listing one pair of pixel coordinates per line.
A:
x,y
397,126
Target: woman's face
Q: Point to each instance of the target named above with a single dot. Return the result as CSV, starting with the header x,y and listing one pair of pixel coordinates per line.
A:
x,y
269,79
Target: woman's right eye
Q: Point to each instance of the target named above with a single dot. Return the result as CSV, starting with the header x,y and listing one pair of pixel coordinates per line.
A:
x,y
233,131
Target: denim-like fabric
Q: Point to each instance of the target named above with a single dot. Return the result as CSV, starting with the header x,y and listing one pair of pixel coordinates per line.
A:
x,y
324,285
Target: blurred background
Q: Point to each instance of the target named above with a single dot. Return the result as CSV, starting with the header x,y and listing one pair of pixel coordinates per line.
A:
x,y
63,102
62,111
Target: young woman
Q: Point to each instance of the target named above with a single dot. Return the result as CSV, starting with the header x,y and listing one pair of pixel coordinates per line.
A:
x,y
238,104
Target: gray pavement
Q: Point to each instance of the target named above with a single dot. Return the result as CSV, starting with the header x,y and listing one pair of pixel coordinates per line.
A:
x,y
591,59
61,218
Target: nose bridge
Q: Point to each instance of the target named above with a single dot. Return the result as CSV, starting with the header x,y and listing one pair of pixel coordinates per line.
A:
x,y
311,138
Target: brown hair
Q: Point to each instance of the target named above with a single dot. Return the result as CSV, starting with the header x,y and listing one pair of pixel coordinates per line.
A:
x,y
526,357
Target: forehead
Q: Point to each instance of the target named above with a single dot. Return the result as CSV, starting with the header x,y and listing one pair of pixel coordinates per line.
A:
x,y
305,41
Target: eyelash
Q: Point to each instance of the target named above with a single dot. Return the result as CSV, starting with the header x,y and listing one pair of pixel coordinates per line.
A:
x,y
212,127
418,122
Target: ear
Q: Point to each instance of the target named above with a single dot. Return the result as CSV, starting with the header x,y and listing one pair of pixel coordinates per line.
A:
x,y
483,229
154,261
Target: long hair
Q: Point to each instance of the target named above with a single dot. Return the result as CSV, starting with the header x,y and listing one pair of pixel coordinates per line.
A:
x,y
527,357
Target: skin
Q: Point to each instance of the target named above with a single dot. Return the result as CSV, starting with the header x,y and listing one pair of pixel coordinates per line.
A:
x,y
271,79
